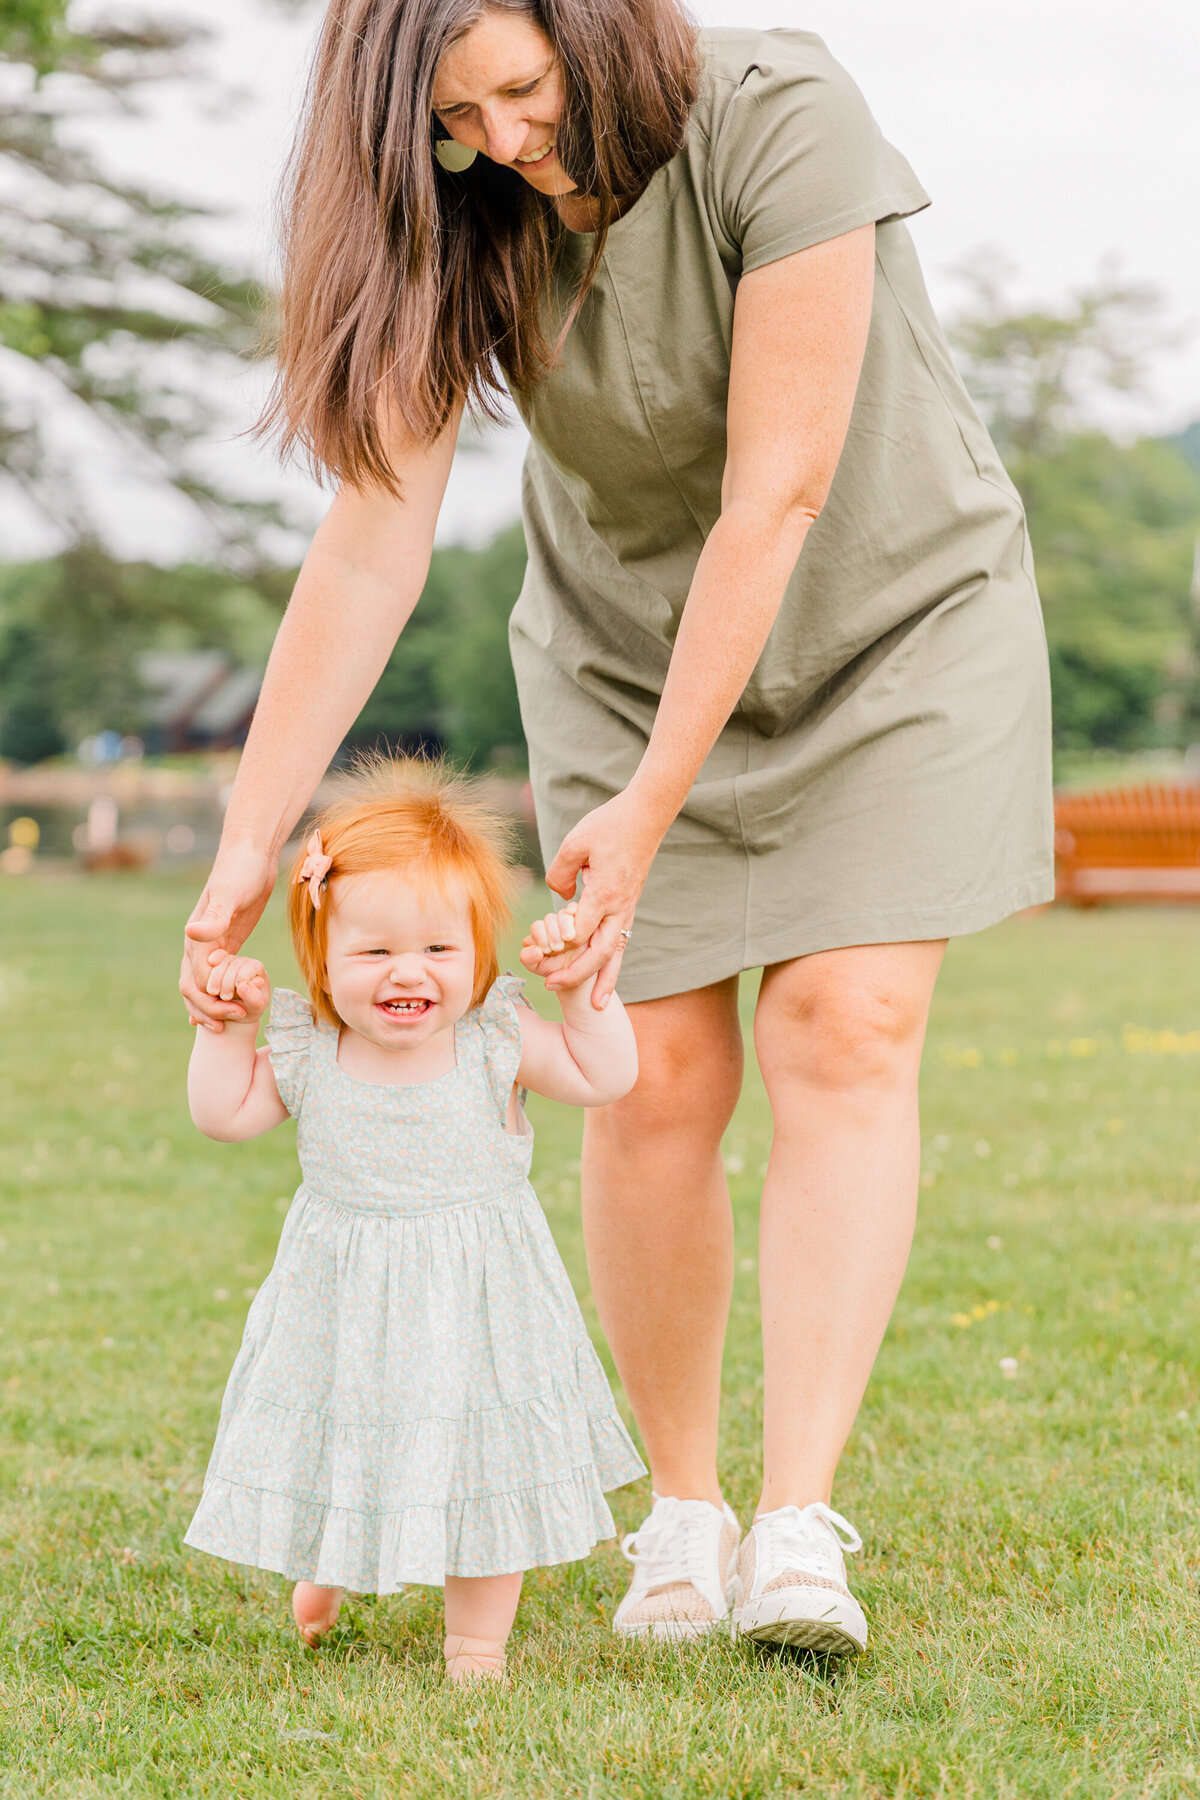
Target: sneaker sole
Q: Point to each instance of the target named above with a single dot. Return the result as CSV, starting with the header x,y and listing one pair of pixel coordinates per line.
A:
x,y
805,1619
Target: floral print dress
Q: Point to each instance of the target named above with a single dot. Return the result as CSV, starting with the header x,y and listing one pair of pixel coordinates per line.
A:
x,y
416,1395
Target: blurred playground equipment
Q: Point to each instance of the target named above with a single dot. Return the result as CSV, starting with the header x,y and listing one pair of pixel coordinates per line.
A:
x,y
1125,844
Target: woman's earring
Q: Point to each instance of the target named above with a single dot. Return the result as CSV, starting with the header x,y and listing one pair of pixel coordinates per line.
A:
x,y
453,156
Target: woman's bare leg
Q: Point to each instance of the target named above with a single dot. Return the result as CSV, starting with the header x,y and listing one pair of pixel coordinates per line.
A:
x,y
659,1231
839,1038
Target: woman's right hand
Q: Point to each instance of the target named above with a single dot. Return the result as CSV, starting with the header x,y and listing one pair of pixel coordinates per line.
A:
x,y
225,914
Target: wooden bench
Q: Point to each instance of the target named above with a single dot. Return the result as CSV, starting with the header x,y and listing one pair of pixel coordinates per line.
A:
x,y
1137,843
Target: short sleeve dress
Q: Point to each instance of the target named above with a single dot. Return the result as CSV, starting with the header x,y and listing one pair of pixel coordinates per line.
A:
x,y
416,1394
885,776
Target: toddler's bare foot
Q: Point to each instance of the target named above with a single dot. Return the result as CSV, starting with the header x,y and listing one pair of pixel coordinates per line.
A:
x,y
315,1610
473,1659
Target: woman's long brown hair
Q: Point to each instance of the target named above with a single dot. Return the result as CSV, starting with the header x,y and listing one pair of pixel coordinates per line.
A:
x,y
407,289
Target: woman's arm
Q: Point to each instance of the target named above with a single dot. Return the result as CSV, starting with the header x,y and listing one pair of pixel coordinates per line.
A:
x,y
362,577
799,337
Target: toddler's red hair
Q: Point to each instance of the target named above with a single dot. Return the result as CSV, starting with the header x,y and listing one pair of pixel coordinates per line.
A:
x,y
424,822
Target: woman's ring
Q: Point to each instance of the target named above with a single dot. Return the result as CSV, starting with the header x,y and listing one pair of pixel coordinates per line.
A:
x,y
625,934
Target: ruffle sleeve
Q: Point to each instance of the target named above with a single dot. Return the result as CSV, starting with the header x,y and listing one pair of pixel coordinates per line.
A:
x,y
501,1034
291,1034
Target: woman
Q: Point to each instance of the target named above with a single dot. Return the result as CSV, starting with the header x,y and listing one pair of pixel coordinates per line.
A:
x,y
779,654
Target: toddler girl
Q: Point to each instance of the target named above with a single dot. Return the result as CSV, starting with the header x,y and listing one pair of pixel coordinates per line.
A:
x,y
416,1398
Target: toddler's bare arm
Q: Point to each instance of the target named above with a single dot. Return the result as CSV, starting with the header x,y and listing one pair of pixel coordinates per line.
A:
x,y
231,1086
590,1059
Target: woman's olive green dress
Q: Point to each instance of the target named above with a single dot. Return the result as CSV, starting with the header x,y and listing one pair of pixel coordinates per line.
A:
x,y
886,774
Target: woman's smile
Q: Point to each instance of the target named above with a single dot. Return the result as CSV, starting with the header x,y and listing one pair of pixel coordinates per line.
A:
x,y
537,156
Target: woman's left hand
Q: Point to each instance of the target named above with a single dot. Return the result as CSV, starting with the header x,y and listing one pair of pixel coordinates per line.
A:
x,y
612,848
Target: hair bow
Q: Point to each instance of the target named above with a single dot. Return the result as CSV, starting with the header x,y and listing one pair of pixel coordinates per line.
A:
x,y
314,868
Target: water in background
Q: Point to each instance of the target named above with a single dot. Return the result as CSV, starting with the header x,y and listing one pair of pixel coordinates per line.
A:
x,y
173,830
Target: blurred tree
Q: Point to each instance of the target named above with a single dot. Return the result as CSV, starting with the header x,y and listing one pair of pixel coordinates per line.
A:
x,y
33,29
449,681
1038,374
1187,442
73,629
105,303
29,723
475,678
1113,528
1112,525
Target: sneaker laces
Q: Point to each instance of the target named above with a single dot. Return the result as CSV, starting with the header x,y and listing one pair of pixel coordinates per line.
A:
x,y
674,1544
812,1536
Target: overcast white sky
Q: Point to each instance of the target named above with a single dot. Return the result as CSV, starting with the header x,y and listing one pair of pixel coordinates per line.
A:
x,y
1062,131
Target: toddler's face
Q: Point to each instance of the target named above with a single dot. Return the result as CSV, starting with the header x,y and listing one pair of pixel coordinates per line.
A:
x,y
400,961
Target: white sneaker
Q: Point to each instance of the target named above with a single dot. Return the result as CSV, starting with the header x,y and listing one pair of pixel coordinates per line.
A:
x,y
790,1582
683,1559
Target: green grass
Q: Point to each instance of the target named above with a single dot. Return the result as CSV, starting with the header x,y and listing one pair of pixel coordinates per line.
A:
x,y
1032,1543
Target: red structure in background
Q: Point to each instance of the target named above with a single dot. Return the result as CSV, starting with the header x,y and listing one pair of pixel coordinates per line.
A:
x,y
1137,843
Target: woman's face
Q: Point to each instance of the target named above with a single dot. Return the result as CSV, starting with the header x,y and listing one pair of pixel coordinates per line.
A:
x,y
499,90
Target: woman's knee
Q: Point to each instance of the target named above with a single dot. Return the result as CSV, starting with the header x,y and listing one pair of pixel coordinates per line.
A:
x,y
690,1065
847,1024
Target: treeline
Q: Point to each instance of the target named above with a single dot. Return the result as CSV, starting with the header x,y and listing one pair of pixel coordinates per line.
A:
x,y
75,630
449,680
1114,525
1114,530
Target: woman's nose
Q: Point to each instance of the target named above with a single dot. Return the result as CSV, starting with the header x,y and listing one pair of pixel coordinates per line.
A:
x,y
504,135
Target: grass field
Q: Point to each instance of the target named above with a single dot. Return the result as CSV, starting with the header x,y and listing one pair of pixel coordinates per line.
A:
x,y
1031,1538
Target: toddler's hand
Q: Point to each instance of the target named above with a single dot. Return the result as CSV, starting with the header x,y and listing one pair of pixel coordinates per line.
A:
x,y
548,938
239,978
